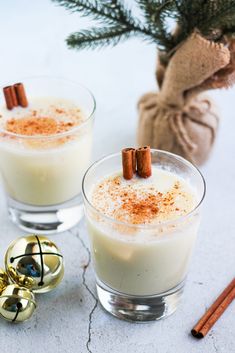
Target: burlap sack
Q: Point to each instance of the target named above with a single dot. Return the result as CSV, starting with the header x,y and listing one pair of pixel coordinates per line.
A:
x,y
178,118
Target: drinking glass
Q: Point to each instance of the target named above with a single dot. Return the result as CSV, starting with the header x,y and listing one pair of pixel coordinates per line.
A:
x,y
141,269
42,175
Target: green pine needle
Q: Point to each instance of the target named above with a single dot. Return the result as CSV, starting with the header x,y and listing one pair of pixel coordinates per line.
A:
x,y
98,37
212,18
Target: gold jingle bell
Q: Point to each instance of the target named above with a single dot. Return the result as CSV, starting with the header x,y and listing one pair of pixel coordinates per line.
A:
x,y
34,262
3,280
17,304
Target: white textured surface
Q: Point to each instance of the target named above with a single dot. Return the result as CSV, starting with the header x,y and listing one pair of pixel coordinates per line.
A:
x,y
32,42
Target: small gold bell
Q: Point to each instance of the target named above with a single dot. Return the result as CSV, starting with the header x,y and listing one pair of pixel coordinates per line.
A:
x,y
17,304
3,280
34,262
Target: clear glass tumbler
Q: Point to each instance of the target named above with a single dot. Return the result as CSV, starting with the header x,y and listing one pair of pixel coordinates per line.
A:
x,y
141,269
42,175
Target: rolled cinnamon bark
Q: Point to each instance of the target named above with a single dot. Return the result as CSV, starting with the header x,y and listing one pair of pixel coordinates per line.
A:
x,y
128,163
134,160
13,96
21,96
7,91
143,158
216,315
215,311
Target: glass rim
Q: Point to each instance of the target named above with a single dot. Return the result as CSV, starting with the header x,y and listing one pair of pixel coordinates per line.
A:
x,y
61,134
146,226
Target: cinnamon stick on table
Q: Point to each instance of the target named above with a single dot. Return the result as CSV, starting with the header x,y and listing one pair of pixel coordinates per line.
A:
x,y
144,166
128,162
215,311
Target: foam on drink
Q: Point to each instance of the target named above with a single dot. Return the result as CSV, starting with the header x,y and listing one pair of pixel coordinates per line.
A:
x,y
43,117
161,197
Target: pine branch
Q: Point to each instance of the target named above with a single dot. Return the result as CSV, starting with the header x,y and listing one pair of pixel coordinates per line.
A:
x,y
155,13
223,18
210,17
213,18
153,8
97,37
109,12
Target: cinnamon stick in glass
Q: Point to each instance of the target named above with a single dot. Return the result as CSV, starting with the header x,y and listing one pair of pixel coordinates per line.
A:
x,y
7,91
143,158
128,162
21,95
13,96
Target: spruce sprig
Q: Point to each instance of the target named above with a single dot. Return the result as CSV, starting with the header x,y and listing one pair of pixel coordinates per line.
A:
x,y
111,13
98,37
155,13
212,18
108,12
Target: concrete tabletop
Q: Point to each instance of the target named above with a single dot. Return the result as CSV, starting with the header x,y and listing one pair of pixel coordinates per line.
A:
x,y
69,319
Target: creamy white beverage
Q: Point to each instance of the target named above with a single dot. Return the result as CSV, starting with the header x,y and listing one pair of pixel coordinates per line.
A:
x,y
44,151
141,241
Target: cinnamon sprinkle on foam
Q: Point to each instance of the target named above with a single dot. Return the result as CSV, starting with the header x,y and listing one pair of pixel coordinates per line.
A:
x,y
32,126
44,117
139,201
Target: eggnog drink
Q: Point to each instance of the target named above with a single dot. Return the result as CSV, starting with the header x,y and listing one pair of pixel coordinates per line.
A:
x,y
132,262
45,148
142,232
38,169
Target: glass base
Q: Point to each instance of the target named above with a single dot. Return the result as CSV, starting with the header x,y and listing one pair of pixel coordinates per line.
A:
x,y
49,220
139,308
